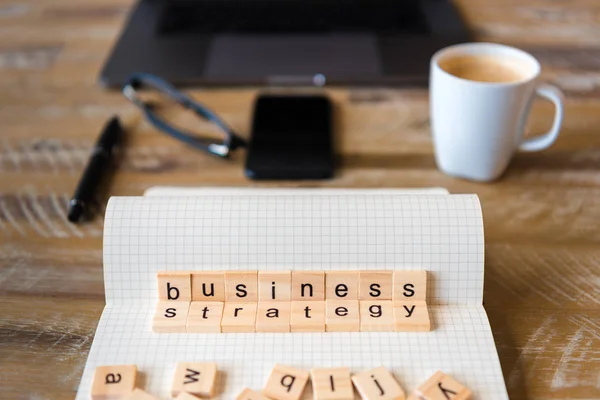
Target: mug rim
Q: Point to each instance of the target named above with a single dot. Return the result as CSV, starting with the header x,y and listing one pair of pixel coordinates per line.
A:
x,y
437,56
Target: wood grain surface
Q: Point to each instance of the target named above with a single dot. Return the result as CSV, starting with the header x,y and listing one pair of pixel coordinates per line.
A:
x,y
542,283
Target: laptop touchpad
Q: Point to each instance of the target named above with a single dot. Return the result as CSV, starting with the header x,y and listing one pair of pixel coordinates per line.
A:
x,y
340,55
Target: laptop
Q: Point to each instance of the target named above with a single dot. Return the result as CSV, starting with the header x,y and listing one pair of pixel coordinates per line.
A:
x,y
284,42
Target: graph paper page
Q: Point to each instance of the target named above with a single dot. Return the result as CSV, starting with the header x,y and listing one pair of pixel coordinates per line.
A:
x,y
440,234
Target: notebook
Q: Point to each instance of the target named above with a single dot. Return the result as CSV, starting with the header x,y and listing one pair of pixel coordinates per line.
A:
x,y
282,230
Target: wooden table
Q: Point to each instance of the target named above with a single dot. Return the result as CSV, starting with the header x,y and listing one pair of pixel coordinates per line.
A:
x,y
542,283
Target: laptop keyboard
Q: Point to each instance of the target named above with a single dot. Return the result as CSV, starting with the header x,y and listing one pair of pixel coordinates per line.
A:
x,y
291,16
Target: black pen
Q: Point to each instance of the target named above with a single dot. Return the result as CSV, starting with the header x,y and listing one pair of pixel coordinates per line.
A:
x,y
98,167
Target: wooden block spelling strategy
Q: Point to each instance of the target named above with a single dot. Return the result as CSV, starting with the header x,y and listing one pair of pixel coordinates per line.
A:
x,y
291,301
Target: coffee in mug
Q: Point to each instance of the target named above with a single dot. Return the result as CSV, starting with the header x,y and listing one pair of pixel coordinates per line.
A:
x,y
480,99
482,68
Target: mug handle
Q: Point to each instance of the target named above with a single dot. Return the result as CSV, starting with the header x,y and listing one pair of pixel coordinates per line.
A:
x,y
538,143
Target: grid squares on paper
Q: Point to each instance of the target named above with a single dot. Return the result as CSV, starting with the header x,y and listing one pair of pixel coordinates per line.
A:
x,y
441,234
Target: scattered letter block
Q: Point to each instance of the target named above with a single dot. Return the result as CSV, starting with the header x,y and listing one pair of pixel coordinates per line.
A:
x,y
249,394
342,316
170,317
274,285
113,382
341,285
197,378
273,316
411,317
139,394
186,396
410,286
441,387
308,316
377,384
204,317
241,286
331,384
208,286
239,317
376,316
308,285
174,286
375,285
286,383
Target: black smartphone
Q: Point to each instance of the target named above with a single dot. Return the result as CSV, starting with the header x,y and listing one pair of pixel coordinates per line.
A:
x,y
291,138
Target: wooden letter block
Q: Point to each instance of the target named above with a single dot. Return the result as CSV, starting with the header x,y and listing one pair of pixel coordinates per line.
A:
x,y
441,387
411,317
204,317
208,286
241,286
113,382
308,316
308,285
375,285
331,384
341,285
376,316
274,285
139,394
342,316
170,317
286,383
377,384
273,316
249,394
197,378
186,396
239,317
174,285
410,286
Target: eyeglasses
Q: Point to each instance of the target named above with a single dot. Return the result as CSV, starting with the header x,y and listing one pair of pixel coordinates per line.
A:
x,y
167,92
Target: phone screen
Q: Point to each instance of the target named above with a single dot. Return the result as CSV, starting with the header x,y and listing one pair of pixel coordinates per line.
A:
x,y
291,138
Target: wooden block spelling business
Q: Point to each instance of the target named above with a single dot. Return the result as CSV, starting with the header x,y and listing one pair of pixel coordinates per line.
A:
x,y
273,316
375,285
286,383
170,317
197,378
341,285
241,286
249,394
342,316
411,317
113,382
410,286
331,384
377,384
208,286
139,394
204,317
239,317
274,285
307,316
376,316
308,285
174,285
441,387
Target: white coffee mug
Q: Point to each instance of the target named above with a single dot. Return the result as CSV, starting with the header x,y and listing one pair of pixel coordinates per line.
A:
x,y
478,126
